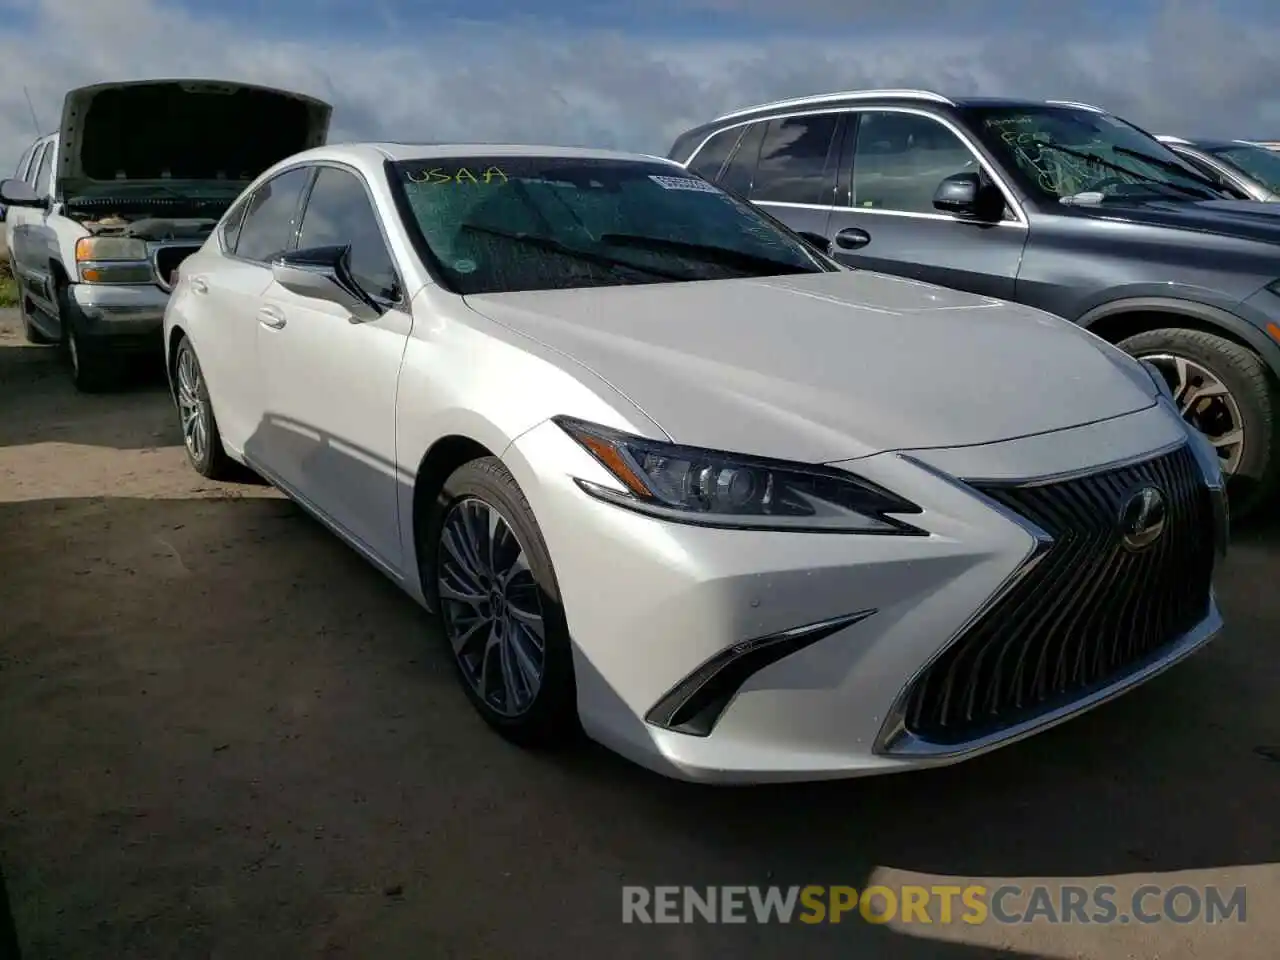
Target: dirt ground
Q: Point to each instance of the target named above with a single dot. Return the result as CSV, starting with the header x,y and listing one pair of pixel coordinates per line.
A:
x,y
223,735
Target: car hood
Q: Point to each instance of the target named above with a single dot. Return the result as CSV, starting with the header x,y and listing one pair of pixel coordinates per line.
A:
x,y
182,130
1245,219
834,366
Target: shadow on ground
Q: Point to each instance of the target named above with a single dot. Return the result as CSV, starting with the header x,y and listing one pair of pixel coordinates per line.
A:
x,y
222,733
38,404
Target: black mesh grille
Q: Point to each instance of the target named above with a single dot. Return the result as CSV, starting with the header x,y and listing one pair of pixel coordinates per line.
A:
x,y
1086,614
168,259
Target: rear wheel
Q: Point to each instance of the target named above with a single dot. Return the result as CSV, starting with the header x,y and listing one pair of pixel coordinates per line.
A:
x,y
491,579
1226,392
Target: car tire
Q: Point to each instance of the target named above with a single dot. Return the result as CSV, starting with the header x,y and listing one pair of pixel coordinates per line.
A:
x,y
1250,386
93,369
549,718
206,455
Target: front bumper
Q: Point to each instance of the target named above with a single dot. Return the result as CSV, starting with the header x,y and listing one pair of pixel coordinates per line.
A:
x,y
649,603
121,312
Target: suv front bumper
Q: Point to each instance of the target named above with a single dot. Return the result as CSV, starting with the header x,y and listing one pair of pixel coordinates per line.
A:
x,y
121,313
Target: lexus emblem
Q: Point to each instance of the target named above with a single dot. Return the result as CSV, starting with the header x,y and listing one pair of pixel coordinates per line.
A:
x,y
1143,518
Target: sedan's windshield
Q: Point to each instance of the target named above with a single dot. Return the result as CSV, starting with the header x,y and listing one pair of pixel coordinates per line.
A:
x,y
501,224
1259,163
1066,152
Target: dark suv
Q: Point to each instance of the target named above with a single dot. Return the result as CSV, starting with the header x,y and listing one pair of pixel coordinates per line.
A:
x,y
1056,205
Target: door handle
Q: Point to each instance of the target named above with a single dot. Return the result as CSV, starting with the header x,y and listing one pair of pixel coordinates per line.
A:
x,y
851,238
271,317
198,285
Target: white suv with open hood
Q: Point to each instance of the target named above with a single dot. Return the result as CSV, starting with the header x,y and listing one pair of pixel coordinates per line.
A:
x,y
100,214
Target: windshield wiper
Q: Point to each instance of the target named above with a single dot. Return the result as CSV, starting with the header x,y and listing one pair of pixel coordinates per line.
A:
x,y
586,256
706,252
1094,158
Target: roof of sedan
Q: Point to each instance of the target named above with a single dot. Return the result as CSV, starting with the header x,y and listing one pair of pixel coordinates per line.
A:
x,y
385,150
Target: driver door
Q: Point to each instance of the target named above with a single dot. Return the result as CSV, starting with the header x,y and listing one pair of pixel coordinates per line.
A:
x,y
891,164
330,379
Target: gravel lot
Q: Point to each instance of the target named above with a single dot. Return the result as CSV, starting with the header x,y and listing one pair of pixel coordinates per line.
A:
x,y
223,735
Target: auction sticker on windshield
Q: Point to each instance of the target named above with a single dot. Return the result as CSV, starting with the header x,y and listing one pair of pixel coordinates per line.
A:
x,y
683,183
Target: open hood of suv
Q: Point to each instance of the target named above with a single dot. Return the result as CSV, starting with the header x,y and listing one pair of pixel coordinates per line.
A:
x,y
182,130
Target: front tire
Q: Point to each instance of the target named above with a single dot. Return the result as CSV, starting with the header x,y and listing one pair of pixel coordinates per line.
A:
x,y
200,435
1225,391
93,369
489,575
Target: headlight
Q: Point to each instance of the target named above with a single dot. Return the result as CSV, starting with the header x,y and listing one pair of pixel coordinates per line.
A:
x,y
711,488
1158,378
110,248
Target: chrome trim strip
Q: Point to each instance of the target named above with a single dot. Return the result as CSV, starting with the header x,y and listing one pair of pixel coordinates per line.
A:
x,y
1011,198
1077,104
769,649
820,98
1075,474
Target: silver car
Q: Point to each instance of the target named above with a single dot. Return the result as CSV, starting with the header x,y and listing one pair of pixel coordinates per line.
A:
x,y
668,474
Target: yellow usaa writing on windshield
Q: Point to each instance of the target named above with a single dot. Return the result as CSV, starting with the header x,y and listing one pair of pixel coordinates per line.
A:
x,y
457,176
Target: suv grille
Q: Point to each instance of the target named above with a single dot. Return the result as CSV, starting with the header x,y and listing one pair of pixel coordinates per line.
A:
x,y
168,258
1089,612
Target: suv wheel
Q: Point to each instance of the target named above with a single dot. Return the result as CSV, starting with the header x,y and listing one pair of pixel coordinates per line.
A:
x,y
91,368
1226,392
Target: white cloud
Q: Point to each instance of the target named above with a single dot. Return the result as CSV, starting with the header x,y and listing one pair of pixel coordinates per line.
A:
x,y
1192,71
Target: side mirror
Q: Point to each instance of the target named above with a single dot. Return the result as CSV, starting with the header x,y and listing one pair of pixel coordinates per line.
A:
x,y
324,273
817,240
964,194
18,193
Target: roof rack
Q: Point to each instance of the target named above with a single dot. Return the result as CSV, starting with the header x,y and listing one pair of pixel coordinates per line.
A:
x,y
846,95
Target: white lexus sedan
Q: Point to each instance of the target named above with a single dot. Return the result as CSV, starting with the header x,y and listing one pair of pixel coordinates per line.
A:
x,y
670,476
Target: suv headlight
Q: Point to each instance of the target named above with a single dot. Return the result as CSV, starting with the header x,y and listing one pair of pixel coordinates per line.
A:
x,y
110,248
712,488
113,260
1158,379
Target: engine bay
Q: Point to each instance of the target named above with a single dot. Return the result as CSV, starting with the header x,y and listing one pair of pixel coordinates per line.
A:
x,y
146,227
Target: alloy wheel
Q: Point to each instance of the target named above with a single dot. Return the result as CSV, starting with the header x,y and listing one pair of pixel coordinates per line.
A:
x,y
491,607
191,409
1205,402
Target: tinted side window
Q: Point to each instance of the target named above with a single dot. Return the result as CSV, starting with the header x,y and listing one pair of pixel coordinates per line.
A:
x,y
709,160
272,216
741,171
40,183
21,172
339,214
793,159
30,175
900,158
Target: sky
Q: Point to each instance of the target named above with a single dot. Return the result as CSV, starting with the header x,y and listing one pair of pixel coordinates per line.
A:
x,y
633,74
